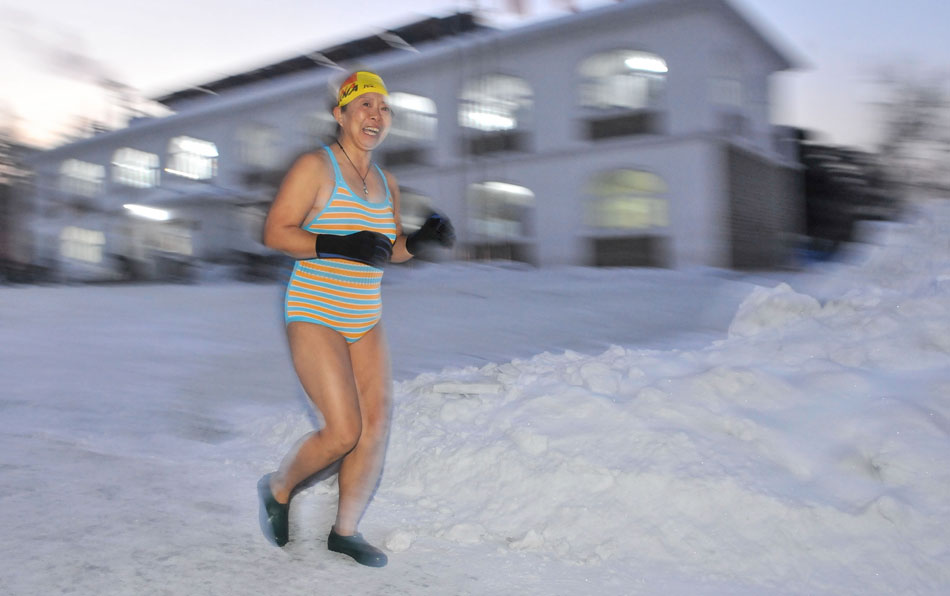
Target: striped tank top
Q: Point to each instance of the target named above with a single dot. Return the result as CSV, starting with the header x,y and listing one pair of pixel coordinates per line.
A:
x,y
337,293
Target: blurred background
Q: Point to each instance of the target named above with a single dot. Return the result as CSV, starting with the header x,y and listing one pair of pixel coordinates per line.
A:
x,y
145,142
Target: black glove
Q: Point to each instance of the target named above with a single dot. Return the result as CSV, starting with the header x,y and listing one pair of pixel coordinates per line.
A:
x,y
364,246
437,228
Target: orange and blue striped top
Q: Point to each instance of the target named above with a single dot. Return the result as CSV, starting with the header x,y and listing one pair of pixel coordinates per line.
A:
x,y
337,293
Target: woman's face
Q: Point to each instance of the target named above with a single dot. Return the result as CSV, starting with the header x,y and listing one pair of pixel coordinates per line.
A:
x,y
366,120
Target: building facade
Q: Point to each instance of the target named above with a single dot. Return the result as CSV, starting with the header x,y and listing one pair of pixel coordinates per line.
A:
x,y
635,134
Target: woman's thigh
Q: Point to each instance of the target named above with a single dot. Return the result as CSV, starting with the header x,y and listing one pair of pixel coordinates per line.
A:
x,y
322,360
371,370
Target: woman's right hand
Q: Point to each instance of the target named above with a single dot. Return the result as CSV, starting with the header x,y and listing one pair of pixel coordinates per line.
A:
x,y
371,248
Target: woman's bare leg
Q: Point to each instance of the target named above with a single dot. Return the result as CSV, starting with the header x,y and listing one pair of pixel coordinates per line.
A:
x,y
361,467
321,358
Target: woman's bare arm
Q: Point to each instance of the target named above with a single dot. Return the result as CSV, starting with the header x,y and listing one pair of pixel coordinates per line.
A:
x,y
294,201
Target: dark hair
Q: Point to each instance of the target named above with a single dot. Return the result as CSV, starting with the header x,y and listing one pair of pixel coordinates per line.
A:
x,y
339,129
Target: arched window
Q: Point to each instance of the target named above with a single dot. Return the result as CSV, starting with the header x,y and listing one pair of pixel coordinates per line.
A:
x,y
81,178
622,91
132,167
414,118
413,129
499,221
192,158
495,109
627,200
626,216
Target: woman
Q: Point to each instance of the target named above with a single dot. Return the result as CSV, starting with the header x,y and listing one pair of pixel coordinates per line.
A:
x,y
338,214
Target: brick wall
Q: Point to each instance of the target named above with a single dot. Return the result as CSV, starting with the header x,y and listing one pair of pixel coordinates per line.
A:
x,y
766,207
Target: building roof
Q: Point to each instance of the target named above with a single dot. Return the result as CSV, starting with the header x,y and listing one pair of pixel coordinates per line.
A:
x,y
435,28
405,37
638,9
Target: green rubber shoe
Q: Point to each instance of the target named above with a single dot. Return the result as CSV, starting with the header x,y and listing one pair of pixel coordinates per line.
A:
x,y
355,546
274,516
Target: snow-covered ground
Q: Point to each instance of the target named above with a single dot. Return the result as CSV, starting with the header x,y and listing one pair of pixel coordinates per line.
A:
x,y
564,431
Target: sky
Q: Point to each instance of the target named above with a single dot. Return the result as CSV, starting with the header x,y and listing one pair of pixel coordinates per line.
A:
x,y
57,51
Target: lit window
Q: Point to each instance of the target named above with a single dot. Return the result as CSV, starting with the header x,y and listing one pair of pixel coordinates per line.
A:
x,y
258,146
81,177
495,102
627,219
146,212
412,132
622,92
499,222
132,167
192,158
81,244
414,118
625,79
499,211
623,200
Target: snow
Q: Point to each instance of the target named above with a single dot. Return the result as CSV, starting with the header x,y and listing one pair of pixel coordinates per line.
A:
x,y
557,431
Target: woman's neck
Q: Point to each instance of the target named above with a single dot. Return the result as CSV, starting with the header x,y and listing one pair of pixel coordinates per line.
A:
x,y
361,158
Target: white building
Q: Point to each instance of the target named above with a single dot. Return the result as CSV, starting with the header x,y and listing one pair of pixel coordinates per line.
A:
x,y
633,134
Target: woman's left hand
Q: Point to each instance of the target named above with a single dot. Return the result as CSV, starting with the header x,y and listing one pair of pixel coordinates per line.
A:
x,y
437,228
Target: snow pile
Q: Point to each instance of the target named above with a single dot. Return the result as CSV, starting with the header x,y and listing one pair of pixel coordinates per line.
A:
x,y
805,449
811,448
772,308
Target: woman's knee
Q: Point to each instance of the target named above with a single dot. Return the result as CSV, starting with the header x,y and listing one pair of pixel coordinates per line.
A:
x,y
343,436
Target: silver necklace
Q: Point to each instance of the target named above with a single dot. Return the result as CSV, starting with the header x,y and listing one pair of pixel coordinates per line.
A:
x,y
363,178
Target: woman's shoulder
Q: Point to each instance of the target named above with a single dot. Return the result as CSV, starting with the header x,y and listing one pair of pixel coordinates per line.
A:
x,y
315,156
314,163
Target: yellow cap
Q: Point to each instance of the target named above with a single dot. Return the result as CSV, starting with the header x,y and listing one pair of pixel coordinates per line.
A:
x,y
359,83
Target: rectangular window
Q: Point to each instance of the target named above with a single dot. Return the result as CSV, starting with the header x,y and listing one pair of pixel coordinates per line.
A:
x,y
484,143
405,157
641,122
631,251
81,177
192,158
131,167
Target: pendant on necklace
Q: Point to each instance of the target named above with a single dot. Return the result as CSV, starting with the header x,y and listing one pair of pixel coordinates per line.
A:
x,y
365,191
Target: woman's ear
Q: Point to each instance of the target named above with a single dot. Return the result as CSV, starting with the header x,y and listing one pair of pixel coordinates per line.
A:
x,y
338,115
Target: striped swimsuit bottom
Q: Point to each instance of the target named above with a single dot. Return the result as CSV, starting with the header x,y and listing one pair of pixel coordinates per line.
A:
x,y
337,293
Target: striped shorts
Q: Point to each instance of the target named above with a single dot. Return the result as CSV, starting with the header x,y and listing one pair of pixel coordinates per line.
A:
x,y
336,293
